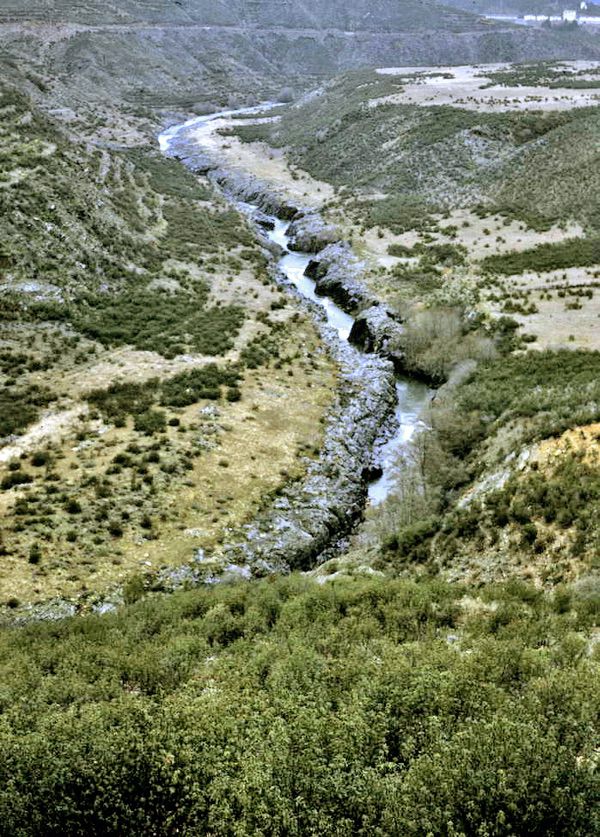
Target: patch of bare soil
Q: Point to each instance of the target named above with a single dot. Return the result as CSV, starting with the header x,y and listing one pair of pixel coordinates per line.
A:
x,y
267,164
468,87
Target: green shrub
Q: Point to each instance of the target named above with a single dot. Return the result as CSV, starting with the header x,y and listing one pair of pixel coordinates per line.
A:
x,y
572,252
122,399
160,321
150,422
20,407
414,542
356,707
203,382
15,478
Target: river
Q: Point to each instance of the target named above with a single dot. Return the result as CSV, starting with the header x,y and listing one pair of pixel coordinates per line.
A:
x,y
412,395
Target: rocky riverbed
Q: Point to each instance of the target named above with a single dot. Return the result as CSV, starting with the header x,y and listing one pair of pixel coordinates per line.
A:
x,y
310,515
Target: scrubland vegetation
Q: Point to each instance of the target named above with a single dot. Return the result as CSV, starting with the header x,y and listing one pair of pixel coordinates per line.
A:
x,y
441,676
440,155
140,322
537,522
284,707
567,253
545,74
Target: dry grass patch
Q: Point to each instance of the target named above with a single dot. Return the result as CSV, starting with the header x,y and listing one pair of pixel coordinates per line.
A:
x,y
104,501
259,159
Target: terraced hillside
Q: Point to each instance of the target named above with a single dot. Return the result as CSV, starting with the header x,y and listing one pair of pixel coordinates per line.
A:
x,y
194,55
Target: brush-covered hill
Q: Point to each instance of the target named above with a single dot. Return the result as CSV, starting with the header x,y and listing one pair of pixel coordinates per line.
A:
x,y
382,15
137,321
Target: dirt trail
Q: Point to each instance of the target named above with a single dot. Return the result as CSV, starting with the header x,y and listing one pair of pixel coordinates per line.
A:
x,y
51,427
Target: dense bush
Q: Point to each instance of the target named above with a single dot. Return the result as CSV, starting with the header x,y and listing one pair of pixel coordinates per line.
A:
x,y
398,213
532,397
366,707
137,399
150,422
555,390
571,252
544,73
204,382
204,229
168,176
15,478
566,493
169,323
119,400
19,407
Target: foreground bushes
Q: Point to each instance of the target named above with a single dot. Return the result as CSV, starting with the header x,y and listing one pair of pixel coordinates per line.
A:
x,y
285,708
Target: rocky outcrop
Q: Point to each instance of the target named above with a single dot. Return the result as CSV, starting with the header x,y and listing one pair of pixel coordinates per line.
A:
x,y
377,330
338,274
310,234
237,185
304,520
195,161
307,516
263,220
245,187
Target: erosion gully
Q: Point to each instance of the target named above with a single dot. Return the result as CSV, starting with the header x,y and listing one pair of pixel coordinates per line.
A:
x,y
411,395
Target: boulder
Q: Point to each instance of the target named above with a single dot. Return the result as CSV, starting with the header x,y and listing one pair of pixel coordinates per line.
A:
x,y
376,330
267,222
309,234
338,274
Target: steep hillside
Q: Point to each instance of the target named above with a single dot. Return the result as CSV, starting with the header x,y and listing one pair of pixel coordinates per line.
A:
x,y
382,15
198,55
138,326
520,150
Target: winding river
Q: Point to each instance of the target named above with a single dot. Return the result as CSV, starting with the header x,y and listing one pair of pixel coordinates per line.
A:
x,y
412,395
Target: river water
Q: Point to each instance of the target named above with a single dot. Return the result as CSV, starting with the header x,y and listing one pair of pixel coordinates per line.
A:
x,y
412,395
